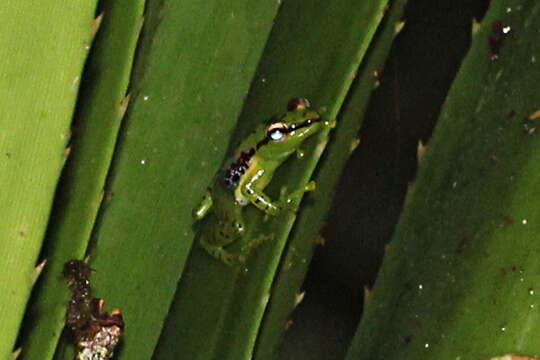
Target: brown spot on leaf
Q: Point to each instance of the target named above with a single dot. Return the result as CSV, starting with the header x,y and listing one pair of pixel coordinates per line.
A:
x,y
499,32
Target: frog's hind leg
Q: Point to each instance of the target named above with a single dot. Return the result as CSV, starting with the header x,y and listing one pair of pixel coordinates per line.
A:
x,y
225,233
230,258
221,254
252,244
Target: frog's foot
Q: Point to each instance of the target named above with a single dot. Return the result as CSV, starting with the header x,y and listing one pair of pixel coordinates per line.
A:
x,y
223,255
287,200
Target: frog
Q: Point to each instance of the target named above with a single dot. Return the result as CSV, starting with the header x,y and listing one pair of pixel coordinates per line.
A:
x,y
243,179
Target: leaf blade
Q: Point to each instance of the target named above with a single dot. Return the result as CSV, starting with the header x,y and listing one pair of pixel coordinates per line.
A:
x,y
100,110
459,236
182,99
37,100
286,71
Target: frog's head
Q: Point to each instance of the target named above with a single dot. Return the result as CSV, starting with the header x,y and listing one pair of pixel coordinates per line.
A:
x,y
285,133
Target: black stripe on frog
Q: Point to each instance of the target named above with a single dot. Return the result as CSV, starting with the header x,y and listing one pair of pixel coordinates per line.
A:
x,y
277,131
238,168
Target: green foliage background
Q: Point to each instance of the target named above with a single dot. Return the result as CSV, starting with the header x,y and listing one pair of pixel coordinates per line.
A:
x,y
168,90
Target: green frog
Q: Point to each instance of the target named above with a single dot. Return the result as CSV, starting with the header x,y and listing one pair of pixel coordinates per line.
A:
x,y
243,180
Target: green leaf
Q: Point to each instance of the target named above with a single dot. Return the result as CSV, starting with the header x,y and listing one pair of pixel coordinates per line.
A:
x,y
41,62
218,309
459,280
101,107
306,233
193,69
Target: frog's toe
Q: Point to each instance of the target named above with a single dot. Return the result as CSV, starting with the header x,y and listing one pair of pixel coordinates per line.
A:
x,y
287,201
288,205
283,193
310,186
330,123
246,249
232,259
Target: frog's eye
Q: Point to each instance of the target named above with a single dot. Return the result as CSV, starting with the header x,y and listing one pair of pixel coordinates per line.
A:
x,y
276,134
297,103
277,131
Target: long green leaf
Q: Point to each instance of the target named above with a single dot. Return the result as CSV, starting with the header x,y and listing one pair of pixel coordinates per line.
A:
x,y
42,50
459,281
304,238
193,68
218,309
100,110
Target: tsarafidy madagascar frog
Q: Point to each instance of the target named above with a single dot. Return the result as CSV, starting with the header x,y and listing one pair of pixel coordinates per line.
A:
x,y
245,177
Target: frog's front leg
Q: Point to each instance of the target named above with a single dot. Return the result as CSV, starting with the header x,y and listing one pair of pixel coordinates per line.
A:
x,y
253,191
287,198
310,186
257,178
